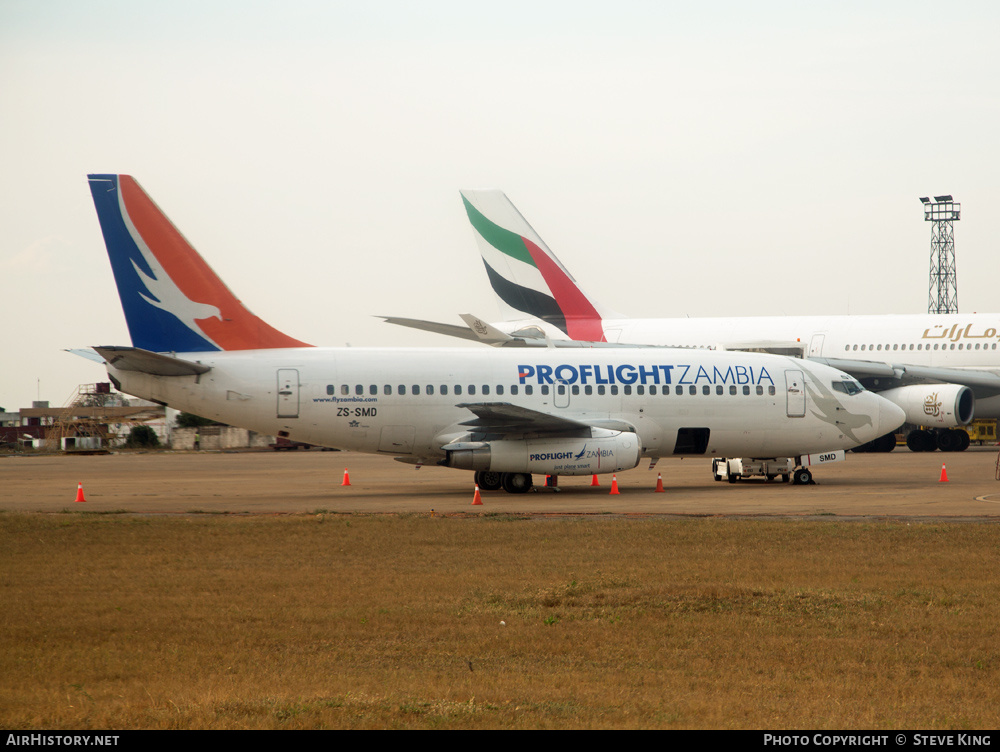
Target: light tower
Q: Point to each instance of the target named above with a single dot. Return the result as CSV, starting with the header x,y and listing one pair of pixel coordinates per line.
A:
x,y
942,294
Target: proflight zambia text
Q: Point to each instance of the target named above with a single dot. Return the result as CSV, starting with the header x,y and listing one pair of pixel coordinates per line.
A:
x,y
642,374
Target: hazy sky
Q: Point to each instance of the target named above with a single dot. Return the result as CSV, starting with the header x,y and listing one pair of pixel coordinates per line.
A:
x,y
715,158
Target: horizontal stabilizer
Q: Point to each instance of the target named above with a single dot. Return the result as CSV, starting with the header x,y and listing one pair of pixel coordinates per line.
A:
x,y
452,330
492,336
87,353
144,361
484,331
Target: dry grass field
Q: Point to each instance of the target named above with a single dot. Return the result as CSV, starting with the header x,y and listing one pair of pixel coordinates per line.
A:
x,y
495,620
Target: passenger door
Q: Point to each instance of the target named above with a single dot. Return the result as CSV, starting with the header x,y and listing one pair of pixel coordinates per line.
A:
x,y
288,393
795,391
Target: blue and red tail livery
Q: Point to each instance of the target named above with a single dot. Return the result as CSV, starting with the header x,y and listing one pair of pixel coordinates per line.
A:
x,y
172,299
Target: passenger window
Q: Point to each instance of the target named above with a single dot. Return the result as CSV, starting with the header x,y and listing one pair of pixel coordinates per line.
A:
x,y
692,389
588,390
387,389
358,389
499,388
486,388
430,389
679,390
373,389
330,389
576,389
718,389
614,390
746,391
545,390
472,389
458,390
760,391
444,390
627,389
400,389
732,389
416,389
345,389
514,389
529,389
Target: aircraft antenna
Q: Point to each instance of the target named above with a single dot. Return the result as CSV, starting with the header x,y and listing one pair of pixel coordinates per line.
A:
x,y
942,212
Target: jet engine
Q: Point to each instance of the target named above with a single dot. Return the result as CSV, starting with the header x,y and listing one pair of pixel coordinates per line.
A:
x,y
603,452
934,405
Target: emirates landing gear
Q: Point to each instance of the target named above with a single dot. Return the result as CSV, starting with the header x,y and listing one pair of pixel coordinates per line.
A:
x,y
945,439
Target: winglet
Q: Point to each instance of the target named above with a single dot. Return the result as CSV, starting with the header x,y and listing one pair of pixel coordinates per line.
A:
x,y
172,299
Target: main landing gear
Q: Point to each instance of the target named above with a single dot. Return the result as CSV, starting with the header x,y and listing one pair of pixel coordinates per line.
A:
x,y
516,483
945,439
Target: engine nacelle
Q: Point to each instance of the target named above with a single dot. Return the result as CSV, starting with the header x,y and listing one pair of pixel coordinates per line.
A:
x,y
938,405
604,452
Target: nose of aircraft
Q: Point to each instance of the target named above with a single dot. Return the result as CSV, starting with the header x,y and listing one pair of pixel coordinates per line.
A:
x,y
890,416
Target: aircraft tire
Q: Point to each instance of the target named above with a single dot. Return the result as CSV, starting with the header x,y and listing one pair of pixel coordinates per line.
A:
x,y
965,440
948,440
885,443
517,483
489,481
802,477
921,441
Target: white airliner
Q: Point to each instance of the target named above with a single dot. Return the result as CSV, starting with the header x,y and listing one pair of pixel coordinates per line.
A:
x,y
502,413
943,370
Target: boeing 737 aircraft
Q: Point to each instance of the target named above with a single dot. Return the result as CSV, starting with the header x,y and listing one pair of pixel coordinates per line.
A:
x,y
941,369
504,414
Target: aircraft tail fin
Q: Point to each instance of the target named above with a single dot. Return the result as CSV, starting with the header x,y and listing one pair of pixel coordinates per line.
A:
x,y
526,276
172,299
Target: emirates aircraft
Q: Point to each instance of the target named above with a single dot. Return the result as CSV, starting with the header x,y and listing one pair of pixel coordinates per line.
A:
x,y
505,414
942,370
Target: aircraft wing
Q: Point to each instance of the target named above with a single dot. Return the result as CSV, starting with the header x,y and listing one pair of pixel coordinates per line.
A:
x,y
144,361
983,383
505,418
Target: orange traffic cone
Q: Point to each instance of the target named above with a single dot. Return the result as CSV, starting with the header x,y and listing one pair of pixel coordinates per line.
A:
x,y
79,493
614,485
594,481
347,478
477,499
659,483
944,474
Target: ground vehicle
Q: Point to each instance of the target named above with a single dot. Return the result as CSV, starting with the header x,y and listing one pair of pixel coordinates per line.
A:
x,y
738,468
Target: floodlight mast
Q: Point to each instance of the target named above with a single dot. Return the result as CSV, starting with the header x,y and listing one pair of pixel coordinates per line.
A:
x,y
942,212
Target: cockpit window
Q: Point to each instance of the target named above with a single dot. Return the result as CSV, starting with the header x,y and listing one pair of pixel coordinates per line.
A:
x,y
848,386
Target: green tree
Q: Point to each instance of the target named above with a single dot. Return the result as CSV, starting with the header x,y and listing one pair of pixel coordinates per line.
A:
x,y
142,437
190,420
